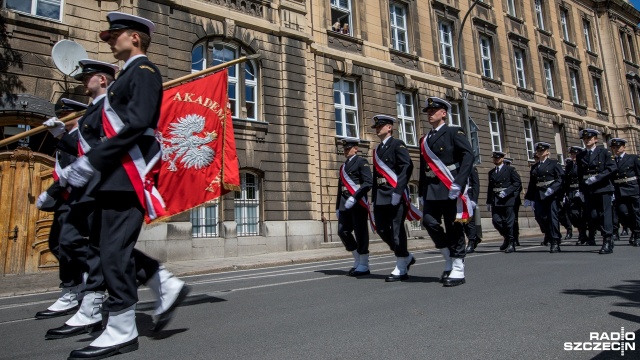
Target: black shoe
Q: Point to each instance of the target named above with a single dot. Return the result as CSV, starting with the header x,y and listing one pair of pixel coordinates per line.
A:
x,y
93,352
517,242
350,273
394,278
606,247
615,237
569,234
413,261
445,275
475,243
624,232
66,331
631,241
554,248
636,243
449,282
164,318
48,314
511,248
359,273
544,243
470,247
504,245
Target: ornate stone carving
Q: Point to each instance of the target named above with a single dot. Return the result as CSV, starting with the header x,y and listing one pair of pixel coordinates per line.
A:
x,y
250,7
22,155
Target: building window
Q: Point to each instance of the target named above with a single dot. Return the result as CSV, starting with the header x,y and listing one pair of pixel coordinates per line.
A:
x,y
242,78
586,28
511,8
597,91
50,9
519,58
628,50
485,53
406,118
247,205
413,195
346,108
454,115
341,16
528,138
494,131
539,14
575,89
446,43
564,23
635,98
560,141
204,220
398,22
548,76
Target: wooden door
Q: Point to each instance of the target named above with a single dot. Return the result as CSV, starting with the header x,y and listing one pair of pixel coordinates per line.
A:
x,y
24,230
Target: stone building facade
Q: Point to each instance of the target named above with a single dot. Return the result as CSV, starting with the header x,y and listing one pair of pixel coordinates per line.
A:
x,y
536,70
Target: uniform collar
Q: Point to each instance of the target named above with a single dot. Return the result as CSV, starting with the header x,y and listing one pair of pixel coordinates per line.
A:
x,y
98,98
385,140
132,59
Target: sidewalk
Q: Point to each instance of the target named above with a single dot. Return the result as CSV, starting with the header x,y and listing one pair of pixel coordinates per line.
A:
x,y
12,285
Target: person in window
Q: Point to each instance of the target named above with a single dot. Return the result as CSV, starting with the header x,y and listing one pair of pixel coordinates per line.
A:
x,y
345,29
352,207
627,189
575,199
392,170
445,166
504,182
337,27
470,226
516,206
545,186
595,167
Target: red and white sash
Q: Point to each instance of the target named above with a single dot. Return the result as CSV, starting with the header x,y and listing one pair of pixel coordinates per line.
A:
x,y
56,177
464,209
138,170
414,213
350,185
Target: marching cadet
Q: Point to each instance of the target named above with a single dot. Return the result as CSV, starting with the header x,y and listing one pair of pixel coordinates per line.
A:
x,y
625,181
542,194
470,226
504,182
563,213
445,166
595,166
352,208
575,199
66,241
120,148
516,206
392,171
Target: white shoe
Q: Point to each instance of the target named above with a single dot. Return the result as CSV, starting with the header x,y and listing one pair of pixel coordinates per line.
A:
x,y
363,266
68,300
356,258
169,292
90,310
401,266
457,271
121,328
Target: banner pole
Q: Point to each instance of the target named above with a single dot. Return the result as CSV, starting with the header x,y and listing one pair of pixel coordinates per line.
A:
x,y
166,85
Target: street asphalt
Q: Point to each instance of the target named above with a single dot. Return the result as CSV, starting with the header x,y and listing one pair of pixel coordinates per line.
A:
x,y
524,305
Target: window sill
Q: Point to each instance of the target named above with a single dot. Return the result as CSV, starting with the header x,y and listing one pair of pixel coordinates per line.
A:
x,y
631,64
347,37
603,113
592,53
525,90
569,43
553,98
404,54
545,32
515,18
580,106
485,5
491,80
449,67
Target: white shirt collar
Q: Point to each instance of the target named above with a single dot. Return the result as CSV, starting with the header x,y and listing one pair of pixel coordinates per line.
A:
x,y
131,59
98,98
441,125
351,157
499,167
621,155
386,139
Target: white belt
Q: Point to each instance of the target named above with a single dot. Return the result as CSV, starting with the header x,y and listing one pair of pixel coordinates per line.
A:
x,y
573,186
625,180
585,177
544,183
499,189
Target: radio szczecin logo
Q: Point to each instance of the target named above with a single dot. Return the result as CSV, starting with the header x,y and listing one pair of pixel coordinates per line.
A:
x,y
613,341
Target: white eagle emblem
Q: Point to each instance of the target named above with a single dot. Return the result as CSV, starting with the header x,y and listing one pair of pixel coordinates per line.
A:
x,y
186,145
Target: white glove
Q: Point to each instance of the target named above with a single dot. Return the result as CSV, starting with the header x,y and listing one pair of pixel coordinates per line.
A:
x,y
337,214
454,192
63,176
581,196
79,172
613,198
590,180
502,194
473,204
489,207
349,203
42,198
421,201
55,127
395,199
528,203
548,192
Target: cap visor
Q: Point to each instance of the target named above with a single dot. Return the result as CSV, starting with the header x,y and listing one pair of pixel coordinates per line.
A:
x,y
105,35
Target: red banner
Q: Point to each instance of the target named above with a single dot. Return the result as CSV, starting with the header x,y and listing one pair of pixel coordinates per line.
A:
x,y
199,159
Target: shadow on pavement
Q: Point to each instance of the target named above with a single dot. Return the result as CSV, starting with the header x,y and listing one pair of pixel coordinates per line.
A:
x,y
189,301
629,292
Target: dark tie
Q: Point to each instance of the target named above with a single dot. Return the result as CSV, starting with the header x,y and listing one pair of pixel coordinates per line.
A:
x,y
617,159
432,132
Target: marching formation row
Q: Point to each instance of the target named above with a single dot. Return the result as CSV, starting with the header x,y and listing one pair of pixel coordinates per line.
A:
x,y
593,191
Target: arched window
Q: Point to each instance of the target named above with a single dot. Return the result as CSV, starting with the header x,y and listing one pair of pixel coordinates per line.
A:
x,y
243,78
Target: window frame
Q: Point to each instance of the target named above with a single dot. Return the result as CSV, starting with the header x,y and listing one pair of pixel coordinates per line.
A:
x,y
628,48
495,131
486,58
243,203
347,108
548,76
597,93
451,118
404,119
565,24
395,29
34,8
634,93
335,5
521,81
511,8
574,85
444,46
586,29
539,12
200,213
529,137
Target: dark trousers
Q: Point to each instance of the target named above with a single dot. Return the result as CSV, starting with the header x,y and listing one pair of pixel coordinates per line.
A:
x,y
628,210
516,225
390,226
470,229
113,262
546,214
68,241
354,220
453,238
503,219
577,216
563,215
599,212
